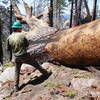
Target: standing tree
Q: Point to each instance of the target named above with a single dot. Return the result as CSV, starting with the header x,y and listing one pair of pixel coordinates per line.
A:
x,y
79,12
1,50
76,15
87,8
71,14
51,13
59,8
11,13
94,10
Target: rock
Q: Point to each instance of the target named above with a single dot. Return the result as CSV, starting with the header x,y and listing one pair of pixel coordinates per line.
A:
x,y
94,98
94,91
38,98
42,98
96,84
81,83
48,66
8,74
25,68
62,75
77,46
27,89
6,90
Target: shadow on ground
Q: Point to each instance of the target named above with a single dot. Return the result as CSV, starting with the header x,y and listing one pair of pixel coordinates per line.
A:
x,y
36,81
86,68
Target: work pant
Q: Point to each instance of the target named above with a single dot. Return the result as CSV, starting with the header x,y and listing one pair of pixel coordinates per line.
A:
x,y
26,58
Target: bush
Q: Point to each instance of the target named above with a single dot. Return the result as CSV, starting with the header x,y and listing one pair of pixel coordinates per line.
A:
x,y
70,93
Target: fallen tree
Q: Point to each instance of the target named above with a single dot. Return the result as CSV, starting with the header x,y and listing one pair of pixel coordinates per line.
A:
x,y
75,46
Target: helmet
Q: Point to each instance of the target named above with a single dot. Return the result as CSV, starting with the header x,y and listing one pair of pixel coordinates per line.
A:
x,y
17,25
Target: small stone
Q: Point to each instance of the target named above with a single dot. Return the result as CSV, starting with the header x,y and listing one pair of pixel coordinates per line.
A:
x,y
81,83
38,98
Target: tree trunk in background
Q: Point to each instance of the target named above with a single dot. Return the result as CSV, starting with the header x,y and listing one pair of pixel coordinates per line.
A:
x,y
94,10
51,13
79,12
1,50
75,17
87,8
10,17
71,14
57,14
34,7
76,12
10,25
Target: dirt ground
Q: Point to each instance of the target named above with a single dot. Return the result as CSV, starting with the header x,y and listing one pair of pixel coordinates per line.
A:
x,y
65,83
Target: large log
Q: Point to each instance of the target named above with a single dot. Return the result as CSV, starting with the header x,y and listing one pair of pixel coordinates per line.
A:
x,y
77,46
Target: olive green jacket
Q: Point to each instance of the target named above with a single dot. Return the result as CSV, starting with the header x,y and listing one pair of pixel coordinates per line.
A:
x,y
18,43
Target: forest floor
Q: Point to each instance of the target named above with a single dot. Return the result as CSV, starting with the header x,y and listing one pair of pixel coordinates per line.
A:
x,y
65,83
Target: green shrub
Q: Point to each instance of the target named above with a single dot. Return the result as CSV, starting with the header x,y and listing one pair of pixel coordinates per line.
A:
x,y
49,84
71,93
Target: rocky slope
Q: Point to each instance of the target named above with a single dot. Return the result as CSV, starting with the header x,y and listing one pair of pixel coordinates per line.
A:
x,y
63,84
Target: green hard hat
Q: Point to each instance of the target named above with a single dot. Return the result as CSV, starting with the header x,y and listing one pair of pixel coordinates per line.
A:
x,y
17,25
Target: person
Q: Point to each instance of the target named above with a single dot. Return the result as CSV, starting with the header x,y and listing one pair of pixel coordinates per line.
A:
x,y
18,43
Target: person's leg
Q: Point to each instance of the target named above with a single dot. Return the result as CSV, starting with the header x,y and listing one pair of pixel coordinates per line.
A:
x,y
34,63
17,74
38,67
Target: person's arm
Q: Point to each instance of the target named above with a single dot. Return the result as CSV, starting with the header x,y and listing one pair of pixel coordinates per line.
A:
x,y
8,45
26,42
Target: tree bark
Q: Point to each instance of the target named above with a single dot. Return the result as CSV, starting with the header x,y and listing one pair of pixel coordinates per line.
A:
x,y
74,46
87,8
75,17
51,13
79,12
10,56
57,13
94,10
78,46
1,49
76,12
71,13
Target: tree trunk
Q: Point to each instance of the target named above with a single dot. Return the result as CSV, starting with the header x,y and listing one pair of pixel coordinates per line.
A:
x,y
87,8
74,46
34,7
75,17
71,14
10,25
79,12
76,12
78,46
57,14
1,50
51,13
94,10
